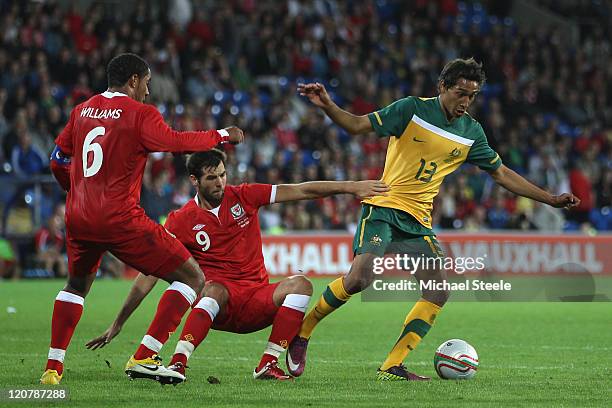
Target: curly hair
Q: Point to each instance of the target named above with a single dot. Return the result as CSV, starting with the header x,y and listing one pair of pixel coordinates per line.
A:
x,y
462,68
198,161
121,68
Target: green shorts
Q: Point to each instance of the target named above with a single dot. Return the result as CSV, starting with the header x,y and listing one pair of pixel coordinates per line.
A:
x,y
384,230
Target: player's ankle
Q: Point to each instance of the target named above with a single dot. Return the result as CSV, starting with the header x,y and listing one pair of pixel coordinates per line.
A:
x,y
179,358
143,352
55,365
265,359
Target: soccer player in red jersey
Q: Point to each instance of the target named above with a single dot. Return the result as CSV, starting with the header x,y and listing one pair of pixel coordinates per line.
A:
x,y
100,159
221,230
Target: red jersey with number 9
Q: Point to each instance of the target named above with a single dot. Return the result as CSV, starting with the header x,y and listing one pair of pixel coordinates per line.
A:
x,y
226,241
109,138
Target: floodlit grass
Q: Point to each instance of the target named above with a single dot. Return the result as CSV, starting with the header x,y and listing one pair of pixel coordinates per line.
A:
x,y
545,354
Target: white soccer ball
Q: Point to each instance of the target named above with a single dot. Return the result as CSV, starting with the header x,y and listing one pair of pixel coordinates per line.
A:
x,y
455,359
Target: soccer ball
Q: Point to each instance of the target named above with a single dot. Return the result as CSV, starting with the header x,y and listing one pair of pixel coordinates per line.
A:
x,y
455,359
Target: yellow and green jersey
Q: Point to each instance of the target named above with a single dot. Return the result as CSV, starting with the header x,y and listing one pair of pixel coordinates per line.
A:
x,y
424,147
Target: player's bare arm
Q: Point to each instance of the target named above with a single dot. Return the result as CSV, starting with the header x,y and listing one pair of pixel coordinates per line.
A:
x,y
318,96
515,183
142,286
318,189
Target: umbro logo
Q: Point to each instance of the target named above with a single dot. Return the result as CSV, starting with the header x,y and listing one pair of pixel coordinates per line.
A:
x,y
198,227
417,140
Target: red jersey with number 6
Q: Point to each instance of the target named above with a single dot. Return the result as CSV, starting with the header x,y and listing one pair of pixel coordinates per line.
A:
x,y
226,241
109,138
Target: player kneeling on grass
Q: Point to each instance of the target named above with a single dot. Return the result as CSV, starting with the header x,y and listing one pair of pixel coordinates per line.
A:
x,y
220,228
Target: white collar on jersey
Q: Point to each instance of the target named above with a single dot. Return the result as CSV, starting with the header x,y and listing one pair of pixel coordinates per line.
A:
x,y
109,94
212,210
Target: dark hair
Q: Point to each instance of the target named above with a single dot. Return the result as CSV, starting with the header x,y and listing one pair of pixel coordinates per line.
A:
x,y
462,68
121,68
202,160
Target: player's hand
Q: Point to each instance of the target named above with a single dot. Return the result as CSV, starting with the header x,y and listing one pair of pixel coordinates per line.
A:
x,y
369,188
105,338
236,135
316,93
565,200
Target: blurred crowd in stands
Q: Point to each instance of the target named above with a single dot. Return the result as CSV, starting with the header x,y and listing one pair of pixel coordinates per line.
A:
x,y
546,107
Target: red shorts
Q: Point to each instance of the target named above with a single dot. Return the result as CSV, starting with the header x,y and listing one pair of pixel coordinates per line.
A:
x,y
151,250
250,307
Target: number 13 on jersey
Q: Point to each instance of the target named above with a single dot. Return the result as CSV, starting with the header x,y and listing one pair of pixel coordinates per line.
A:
x,y
426,171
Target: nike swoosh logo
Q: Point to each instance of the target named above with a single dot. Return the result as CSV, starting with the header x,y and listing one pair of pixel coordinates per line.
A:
x,y
417,140
291,364
154,368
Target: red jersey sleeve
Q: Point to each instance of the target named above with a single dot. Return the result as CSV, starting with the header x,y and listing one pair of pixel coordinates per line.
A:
x,y
257,195
65,140
157,136
61,174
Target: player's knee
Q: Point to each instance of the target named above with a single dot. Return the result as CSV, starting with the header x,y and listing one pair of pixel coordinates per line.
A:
x,y
198,282
359,281
361,275
354,283
216,291
192,275
439,297
299,285
77,285
444,297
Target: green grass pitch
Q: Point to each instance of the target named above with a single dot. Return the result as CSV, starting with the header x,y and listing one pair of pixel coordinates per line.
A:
x,y
544,354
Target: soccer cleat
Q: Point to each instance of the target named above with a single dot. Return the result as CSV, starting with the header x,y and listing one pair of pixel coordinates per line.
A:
x,y
399,373
179,368
296,356
152,369
271,371
50,377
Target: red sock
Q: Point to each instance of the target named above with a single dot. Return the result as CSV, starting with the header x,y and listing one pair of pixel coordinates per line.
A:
x,y
286,325
196,329
170,310
67,311
194,332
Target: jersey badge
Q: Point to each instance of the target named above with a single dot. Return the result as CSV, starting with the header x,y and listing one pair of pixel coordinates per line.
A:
x,y
453,155
376,240
237,211
198,227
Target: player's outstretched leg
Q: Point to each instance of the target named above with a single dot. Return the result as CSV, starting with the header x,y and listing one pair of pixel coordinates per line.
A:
x,y
418,322
335,295
187,281
416,325
67,311
198,323
291,296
